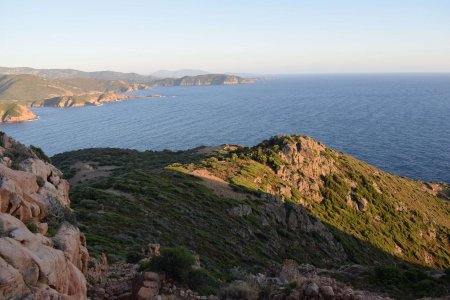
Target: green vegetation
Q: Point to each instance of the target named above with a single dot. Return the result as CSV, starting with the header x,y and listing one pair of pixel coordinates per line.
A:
x,y
369,217
408,278
176,262
39,153
201,281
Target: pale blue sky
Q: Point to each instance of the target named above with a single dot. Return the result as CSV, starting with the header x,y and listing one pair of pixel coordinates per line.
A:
x,y
220,36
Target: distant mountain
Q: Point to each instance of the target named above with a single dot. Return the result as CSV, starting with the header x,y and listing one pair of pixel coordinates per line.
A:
x,y
70,73
179,73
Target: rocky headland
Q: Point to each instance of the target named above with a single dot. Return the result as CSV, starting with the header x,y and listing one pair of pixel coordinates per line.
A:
x,y
11,113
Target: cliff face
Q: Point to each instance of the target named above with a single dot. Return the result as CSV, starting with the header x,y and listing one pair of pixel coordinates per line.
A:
x,y
41,256
82,100
210,79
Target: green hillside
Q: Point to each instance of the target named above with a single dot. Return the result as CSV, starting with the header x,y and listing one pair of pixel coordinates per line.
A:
x,y
250,208
28,88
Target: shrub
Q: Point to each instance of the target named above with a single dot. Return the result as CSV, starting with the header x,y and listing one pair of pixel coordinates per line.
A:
x,y
40,153
201,281
240,290
175,262
32,227
388,275
133,257
425,287
135,254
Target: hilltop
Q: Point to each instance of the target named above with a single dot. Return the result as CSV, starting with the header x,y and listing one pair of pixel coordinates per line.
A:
x,y
245,210
71,73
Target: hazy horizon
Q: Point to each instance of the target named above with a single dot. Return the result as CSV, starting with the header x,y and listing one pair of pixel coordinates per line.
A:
x,y
273,38
242,72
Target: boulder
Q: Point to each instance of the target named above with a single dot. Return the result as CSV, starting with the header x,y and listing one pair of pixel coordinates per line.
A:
x,y
312,290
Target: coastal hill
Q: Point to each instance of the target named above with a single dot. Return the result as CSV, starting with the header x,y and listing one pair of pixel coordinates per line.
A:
x,y
246,210
71,73
21,88
286,219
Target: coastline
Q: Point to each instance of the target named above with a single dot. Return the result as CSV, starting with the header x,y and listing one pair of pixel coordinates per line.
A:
x,y
63,103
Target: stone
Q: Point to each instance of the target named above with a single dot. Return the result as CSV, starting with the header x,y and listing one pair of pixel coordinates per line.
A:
x,y
312,290
151,276
327,292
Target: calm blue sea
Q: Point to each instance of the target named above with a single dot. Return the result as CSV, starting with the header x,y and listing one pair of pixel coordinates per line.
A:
x,y
399,123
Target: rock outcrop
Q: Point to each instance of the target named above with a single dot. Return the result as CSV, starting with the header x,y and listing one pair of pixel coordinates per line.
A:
x,y
306,161
32,194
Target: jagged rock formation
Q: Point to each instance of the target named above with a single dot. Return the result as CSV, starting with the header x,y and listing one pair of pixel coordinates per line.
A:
x,y
32,195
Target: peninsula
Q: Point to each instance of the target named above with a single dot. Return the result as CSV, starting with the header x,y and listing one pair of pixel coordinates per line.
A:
x,y
22,88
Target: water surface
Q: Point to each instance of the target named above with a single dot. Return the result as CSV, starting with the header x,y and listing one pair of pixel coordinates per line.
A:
x,y
399,123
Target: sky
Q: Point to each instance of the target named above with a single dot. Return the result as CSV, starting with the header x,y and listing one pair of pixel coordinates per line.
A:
x,y
267,37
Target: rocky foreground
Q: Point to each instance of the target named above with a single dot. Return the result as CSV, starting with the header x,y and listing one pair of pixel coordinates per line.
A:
x,y
34,262
222,223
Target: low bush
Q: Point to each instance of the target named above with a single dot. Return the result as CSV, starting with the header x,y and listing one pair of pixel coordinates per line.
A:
x,y
201,281
40,153
175,262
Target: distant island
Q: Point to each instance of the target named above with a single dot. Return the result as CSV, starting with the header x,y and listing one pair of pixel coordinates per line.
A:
x,y
22,88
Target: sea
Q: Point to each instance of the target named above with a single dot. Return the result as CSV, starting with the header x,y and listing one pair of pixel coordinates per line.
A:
x,y
399,123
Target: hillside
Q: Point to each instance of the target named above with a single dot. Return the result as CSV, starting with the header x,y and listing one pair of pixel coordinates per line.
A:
x,y
28,88
249,209
70,73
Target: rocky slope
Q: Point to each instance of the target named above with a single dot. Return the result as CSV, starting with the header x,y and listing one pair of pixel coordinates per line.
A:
x,y
41,256
246,210
400,216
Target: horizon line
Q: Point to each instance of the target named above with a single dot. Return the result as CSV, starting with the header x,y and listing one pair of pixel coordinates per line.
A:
x,y
248,72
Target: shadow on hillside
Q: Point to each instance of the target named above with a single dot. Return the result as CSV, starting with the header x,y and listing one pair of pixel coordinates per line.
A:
x,y
384,271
